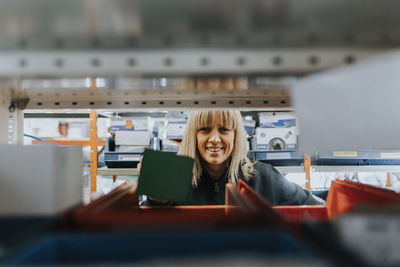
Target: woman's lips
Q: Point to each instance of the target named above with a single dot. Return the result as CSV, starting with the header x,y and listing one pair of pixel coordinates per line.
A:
x,y
214,149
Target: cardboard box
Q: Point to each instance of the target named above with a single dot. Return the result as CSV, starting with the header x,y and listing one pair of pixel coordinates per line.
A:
x,y
170,146
274,138
133,149
176,129
132,138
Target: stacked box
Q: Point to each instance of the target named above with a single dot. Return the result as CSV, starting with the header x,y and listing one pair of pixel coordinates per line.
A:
x,y
131,134
176,128
132,138
176,124
277,131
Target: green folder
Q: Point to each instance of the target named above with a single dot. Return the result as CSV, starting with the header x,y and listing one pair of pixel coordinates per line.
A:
x,y
166,176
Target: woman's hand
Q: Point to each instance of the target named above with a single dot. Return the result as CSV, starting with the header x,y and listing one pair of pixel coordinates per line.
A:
x,y
139,165
157,201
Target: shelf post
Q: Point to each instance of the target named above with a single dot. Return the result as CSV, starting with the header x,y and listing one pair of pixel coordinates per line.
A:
x,y
307,170
11,114
5,100
388,182
93,151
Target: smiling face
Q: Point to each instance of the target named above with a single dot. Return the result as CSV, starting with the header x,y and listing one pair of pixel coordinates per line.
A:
x,y
215,143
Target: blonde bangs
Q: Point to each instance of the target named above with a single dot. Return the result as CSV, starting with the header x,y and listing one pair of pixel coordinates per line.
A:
x,y
206,119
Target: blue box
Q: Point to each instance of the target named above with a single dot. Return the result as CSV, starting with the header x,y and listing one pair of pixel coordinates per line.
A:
x,y
157,245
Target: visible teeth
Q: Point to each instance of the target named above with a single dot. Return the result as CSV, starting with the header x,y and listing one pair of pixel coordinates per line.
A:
x,y
214,149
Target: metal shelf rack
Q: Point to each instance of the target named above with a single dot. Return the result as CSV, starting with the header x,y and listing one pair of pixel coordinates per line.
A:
x,y
84,55
282,169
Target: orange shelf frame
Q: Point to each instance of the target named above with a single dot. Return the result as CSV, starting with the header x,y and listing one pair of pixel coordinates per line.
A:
x,y
307,170
94,142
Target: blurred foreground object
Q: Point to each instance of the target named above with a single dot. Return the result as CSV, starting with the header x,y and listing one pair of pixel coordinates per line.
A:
x,y
351,108
373,233
40,180
63,128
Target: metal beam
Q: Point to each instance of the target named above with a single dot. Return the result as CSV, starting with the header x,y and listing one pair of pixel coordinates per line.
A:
x,y
169,62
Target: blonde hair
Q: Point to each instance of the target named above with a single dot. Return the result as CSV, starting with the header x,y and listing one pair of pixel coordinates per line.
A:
x,y
230,119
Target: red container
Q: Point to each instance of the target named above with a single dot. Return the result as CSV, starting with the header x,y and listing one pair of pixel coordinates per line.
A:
x,y
343,196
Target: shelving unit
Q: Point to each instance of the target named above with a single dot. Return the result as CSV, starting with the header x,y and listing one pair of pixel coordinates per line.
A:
x,y
352,168
138,59
134,172
98,57
283,169
66,142
117,171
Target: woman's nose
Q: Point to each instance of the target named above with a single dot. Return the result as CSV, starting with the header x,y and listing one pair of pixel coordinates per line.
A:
x,y
214,137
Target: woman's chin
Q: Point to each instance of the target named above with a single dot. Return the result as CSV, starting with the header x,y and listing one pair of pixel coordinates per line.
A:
x,y
214,162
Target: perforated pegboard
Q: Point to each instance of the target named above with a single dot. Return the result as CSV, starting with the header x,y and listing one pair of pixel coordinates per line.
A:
x,y
118,99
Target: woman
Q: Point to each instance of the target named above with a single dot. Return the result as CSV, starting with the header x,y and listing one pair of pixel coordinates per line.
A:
x,y
217,141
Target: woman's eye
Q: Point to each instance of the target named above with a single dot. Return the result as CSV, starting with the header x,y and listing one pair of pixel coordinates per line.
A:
x,y
204,129
224,129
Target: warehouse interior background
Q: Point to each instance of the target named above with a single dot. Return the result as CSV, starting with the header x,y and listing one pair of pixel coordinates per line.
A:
x,y
103,80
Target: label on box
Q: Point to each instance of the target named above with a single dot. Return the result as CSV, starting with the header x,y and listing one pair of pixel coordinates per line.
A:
x,y
118,128
129,157
262,147
283,155
387,155
129,124
344,154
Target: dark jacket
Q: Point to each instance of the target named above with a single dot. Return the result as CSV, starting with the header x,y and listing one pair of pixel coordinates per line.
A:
x,y
267,181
